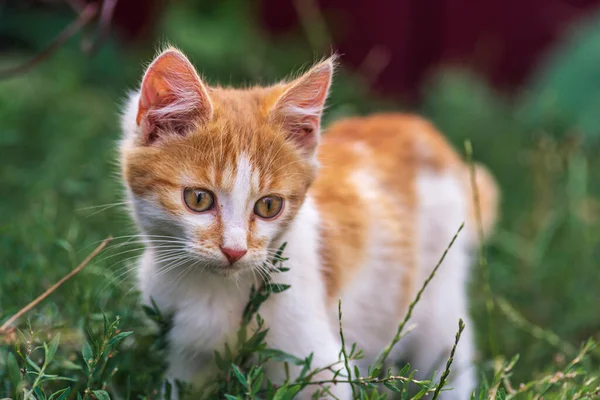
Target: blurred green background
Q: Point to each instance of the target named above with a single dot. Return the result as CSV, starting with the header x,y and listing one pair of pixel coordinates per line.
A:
x,y
59,185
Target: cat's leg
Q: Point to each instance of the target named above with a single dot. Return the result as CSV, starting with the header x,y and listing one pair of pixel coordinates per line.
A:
x,y
299,324
193,370
301,337
430,352
189,367
180,368
443,207
437,317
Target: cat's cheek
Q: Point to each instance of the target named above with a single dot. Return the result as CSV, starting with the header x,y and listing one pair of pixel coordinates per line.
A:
x,y
264,232
152,216
203,229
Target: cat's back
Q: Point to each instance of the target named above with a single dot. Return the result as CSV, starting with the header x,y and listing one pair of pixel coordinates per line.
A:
x,y
377,176
386,141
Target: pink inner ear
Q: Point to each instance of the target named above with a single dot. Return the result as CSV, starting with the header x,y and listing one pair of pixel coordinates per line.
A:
x,y
300,108
172,97
150,95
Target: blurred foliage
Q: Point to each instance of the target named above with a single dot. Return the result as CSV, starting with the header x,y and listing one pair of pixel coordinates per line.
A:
x,y
60,191
565,94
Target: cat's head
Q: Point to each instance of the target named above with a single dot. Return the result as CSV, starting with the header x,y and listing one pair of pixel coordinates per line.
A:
x,y
220,173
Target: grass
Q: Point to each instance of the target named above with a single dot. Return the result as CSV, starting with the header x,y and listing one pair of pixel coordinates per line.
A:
x,y
59,198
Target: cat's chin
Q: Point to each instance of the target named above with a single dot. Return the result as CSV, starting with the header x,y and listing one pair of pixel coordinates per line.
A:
x,y
228,270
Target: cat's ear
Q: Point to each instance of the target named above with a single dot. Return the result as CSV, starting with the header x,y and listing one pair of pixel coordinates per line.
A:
x,y
172,97
300,107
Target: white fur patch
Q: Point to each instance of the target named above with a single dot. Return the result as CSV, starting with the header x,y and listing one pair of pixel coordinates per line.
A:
x,y
442,207
234,207
128,116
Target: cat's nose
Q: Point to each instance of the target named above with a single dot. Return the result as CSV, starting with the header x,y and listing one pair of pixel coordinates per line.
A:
x,y
233,254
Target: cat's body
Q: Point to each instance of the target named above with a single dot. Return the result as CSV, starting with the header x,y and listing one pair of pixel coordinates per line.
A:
x,y
368,227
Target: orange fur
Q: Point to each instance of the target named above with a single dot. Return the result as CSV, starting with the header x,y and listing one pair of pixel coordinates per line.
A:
x,y
394,147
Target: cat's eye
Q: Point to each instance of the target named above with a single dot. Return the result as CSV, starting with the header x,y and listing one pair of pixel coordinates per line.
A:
x,y
198,200
268,207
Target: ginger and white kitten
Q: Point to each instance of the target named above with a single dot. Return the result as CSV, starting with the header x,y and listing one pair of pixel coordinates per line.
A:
x,y
220,177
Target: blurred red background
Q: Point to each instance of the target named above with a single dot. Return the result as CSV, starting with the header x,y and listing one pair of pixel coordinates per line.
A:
x,y
400,42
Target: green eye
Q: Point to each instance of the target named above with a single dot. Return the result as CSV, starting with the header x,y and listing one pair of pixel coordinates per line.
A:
x,y
268,207
198,200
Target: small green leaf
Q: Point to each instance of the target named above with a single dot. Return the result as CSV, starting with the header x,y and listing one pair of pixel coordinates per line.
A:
x,y
257,381
259,320
221,363
230,397
392,387
101,395
32,364
240,377
228,353
48,378
363,394
39,392
352,350
51,349
106,325
62,394
149,311
256,339
306,367
278,355
14,372
242,334
374,372
404,370
337,373
421,393
280,250
88,354
270,392
276,287
286,392
118,338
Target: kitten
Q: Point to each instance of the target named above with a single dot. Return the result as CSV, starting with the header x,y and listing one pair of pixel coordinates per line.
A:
x,y
219,178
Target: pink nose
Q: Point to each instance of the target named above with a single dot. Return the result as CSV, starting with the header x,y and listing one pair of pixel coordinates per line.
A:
x,y
232,254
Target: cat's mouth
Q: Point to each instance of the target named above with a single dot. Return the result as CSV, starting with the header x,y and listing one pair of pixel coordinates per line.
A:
x,y
227,269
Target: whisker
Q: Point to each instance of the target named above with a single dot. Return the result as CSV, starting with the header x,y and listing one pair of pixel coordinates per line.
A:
x,y
124,271
165,247
184,273
174,265
122,274
130,237
101,210
102,205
